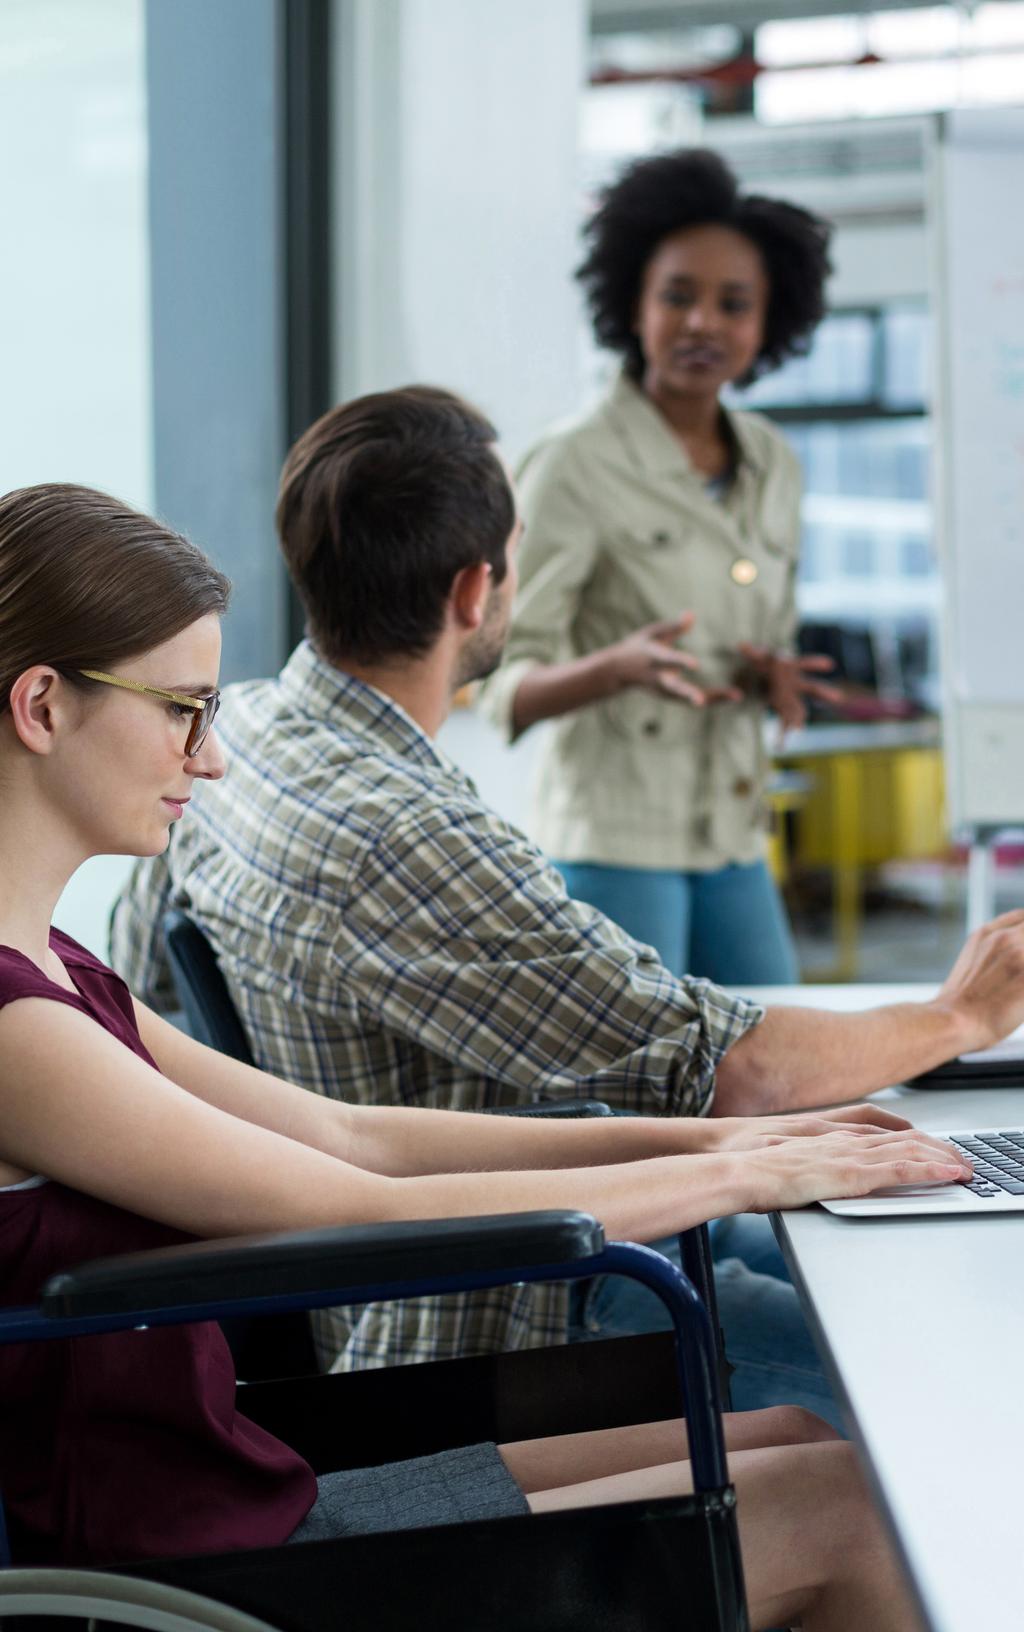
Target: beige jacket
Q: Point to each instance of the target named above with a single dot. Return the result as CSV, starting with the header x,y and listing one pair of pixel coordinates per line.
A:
x,y
622,531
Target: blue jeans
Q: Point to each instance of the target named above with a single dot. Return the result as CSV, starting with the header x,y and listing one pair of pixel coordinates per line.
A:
x,y
766,1337
729,925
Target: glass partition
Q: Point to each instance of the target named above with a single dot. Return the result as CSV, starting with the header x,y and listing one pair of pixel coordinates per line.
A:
x,y
74,306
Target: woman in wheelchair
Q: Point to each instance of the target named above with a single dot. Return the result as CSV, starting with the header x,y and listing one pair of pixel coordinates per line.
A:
x,y
119,1133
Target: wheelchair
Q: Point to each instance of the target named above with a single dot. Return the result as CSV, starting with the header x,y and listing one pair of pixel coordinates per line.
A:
x,y
634,1567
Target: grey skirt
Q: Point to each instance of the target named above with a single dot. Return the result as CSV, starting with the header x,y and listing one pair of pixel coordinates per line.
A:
x,y
452,1487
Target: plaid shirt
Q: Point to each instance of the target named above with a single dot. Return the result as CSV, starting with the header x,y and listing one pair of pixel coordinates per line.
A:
x,y
388,939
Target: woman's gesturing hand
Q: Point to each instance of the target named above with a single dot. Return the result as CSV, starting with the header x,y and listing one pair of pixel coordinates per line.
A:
x,y
650,657
847,1163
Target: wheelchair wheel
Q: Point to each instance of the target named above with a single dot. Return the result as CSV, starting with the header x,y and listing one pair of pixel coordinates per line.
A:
x,y
91,1596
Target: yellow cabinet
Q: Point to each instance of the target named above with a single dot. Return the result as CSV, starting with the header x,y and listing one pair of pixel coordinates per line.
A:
x,y
875,794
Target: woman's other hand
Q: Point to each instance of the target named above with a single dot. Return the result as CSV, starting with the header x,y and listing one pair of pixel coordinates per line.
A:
x,y
788,682
847,1163
761,1132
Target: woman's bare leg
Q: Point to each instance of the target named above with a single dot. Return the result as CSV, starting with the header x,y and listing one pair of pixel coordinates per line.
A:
x,y
572,1459
812,1546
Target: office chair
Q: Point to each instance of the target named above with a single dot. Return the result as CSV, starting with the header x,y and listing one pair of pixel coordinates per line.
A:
x,y
650,1565
286,1348
202,990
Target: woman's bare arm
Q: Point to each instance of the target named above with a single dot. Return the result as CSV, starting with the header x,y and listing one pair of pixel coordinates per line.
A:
x,y
78,1107
405,1141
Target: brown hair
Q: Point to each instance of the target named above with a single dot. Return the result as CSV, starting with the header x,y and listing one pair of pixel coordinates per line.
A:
x,y
86,582
381,503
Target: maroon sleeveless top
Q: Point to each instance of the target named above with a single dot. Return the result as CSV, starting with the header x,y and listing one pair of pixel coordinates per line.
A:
x,y
126,1445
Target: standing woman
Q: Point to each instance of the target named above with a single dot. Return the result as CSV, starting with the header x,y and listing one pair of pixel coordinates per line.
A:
x,y
651,793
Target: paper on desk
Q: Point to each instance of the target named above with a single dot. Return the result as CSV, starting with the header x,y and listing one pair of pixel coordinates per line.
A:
x,y
1011,1048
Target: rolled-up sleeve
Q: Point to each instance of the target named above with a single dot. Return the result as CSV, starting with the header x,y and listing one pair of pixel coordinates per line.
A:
x,y
461,938
556,557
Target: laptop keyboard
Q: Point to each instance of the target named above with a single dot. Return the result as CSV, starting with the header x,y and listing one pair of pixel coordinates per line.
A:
x,y
998,1162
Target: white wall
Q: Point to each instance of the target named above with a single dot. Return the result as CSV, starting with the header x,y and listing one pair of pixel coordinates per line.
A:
x,y
456,221
458,201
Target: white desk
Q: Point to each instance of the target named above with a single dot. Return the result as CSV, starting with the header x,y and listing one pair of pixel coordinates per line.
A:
x,y
921,1324
848,737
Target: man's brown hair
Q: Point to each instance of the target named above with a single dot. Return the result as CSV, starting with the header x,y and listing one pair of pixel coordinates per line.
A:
x,y
381,503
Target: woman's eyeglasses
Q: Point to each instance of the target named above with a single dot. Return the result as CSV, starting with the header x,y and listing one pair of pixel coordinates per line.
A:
x,y
204,709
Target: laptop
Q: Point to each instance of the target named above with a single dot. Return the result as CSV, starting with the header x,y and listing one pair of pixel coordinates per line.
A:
x,y
997,1186
1001,1066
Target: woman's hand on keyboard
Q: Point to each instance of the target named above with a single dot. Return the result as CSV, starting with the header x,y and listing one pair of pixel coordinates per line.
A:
x,y
762,1132
847,1163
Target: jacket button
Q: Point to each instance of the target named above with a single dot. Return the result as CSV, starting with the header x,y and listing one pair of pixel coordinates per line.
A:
x,y
742,787
660,539
652,728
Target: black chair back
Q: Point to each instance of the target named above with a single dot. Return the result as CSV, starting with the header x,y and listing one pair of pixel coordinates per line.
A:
x,y
201,988
281,1345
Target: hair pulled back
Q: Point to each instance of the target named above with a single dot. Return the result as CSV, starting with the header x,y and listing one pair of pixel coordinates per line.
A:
x,y
87,582
693,187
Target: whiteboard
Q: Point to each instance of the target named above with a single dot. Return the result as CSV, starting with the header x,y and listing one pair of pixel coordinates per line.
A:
x,y
978,238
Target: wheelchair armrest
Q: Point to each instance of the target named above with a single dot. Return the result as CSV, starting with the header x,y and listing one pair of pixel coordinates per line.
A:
x,y
553,1108
315,1260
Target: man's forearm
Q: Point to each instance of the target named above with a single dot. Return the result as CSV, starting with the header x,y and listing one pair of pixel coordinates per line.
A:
x,y
797,1057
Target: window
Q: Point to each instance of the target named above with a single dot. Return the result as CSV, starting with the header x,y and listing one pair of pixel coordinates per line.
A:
x,y
890,61
74,275
855,411
840,369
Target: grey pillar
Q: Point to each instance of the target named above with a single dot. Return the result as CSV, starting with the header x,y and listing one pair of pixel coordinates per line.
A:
x,y
216,92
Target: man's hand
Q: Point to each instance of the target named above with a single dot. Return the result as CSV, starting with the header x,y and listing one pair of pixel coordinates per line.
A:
x,y
649,657
797,1171
761,1132
985,987
789,681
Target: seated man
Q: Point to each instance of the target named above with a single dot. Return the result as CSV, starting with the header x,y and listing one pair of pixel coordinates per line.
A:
x,y
389,939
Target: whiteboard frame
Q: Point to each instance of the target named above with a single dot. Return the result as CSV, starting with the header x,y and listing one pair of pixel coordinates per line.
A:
x,y
983,741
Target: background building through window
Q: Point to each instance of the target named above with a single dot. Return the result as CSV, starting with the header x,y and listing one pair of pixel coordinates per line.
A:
x,y
855,409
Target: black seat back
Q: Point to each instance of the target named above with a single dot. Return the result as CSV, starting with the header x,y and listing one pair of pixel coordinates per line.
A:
x,y
201,988
281,1346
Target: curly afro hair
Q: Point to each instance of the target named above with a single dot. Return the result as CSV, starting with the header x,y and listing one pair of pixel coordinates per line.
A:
x,y
656,197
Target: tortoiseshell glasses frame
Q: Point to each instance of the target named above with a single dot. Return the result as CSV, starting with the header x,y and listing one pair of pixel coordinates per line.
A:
x,y
204,709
